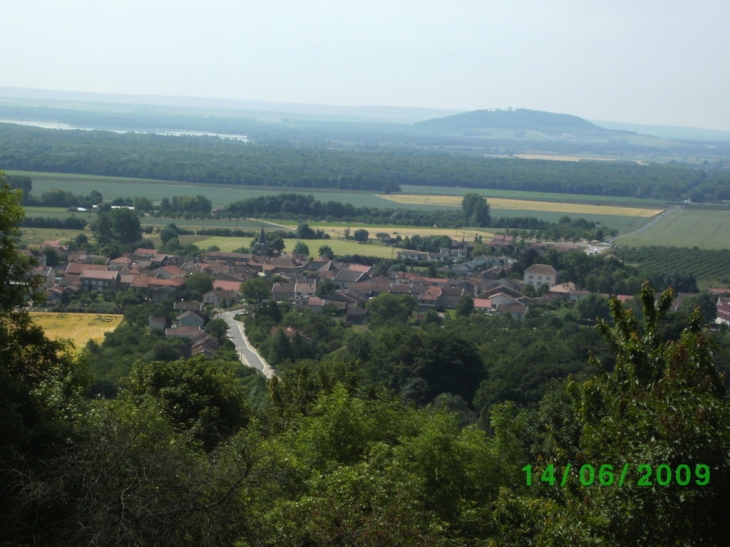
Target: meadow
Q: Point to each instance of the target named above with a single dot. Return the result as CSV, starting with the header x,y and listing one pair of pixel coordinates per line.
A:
x,y
219,194
77,327
340,247
691,227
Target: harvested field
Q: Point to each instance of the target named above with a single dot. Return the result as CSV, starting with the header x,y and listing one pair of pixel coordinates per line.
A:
x,y
525,205
77,327
557,158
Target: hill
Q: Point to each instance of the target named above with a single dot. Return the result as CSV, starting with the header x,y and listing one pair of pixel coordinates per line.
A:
x,y
521,121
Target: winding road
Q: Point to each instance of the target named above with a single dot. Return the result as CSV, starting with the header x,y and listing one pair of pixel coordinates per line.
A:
x,y
249,355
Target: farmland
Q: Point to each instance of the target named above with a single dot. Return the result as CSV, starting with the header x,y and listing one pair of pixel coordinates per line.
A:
x,y
498,204
691,227
77,327
711,268
339,246
219,194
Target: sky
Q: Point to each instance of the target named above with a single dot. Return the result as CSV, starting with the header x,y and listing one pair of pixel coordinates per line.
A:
x,y
635,61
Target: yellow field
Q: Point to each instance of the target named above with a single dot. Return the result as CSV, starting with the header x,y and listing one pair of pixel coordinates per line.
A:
x,y
341,246
77,327
557,158
526,205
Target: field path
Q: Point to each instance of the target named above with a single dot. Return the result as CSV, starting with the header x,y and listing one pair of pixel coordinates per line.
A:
x,y
648,225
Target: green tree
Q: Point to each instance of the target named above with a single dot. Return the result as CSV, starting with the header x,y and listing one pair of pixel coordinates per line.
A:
x,y
301,248
592,307
662,405
119,226
217,327
326,288
256,289
199,394
361,235
475,210
41,385
168,232
465,306
198,284
388,309
326,250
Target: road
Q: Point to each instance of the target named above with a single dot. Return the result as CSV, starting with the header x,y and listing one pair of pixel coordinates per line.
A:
x,y
249,355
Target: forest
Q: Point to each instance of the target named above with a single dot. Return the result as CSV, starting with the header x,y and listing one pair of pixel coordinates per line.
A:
x,y
316,165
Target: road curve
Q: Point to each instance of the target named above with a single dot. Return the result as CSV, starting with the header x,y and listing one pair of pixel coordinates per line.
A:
x,y
249,355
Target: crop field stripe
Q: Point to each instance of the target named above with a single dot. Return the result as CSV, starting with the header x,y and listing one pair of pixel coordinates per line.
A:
x,y
526,205
78,327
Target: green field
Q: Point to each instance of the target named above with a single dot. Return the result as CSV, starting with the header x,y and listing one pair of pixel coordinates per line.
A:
x,y
339,246
36,236
219,195
703,228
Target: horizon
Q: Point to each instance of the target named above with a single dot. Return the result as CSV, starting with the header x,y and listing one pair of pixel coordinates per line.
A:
x,y
639,63
270,106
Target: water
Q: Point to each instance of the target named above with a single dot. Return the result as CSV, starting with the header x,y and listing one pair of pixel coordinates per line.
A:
x,y
58,125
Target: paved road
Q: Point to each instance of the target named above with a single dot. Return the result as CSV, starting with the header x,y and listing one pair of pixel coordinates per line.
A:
x,y
249,355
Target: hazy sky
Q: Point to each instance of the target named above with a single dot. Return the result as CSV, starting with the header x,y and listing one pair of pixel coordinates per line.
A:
x,y
653,62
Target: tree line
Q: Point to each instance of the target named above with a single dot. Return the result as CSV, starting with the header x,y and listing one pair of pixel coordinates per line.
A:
x,y
219,161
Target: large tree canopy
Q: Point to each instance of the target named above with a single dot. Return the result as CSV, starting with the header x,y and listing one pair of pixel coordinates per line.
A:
x,y
120,226
476,210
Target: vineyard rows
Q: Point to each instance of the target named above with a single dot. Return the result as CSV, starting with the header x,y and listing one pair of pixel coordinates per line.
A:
x,y
705,265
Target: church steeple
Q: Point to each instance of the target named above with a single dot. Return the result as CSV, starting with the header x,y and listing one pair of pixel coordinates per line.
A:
x,y
260,249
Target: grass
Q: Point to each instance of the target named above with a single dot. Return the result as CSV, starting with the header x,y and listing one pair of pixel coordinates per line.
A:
x,y
339,246
703,228
336,231
219,194
77,327
36,236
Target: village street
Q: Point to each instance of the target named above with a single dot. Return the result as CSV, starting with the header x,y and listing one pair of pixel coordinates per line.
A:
x,y
249,355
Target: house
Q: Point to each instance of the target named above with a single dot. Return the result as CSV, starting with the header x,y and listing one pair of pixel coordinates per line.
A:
x,y
283,291
412,255
450,297
157,322
428,299
723,314
501,298
483,305
355,315
48,275
538,275
184,306
219,298
515,311
190,318
99,280
344,278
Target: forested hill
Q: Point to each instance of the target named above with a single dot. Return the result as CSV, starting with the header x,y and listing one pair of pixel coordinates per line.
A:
x,y
520,119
